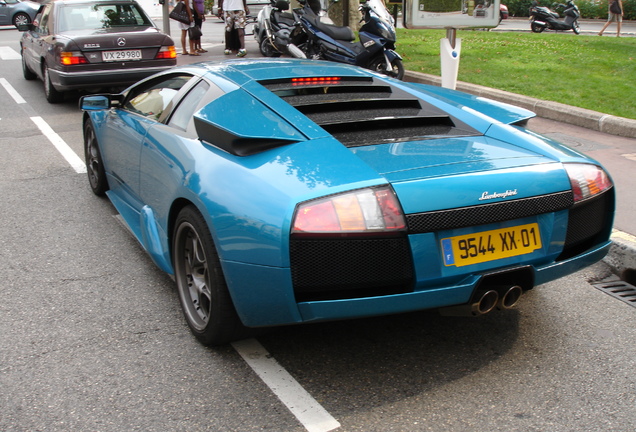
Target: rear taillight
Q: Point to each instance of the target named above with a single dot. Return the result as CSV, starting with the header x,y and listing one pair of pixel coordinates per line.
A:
x,y
364,211
69,58
166,52
587,180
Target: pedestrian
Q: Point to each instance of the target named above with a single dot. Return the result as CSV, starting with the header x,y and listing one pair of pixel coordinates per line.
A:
x,y
199,17
184,30
235,16
614,12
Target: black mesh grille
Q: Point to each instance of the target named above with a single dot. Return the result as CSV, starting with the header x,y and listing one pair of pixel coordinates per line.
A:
x,y
325,269
488,213
588,224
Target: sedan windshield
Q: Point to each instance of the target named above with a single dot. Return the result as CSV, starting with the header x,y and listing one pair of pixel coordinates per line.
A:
x,y
101,16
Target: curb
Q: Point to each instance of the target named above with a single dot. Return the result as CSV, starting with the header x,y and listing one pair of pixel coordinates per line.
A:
x,y
550,110
622,254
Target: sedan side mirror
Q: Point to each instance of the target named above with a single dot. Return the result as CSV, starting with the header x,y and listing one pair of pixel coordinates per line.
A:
x,y
26,27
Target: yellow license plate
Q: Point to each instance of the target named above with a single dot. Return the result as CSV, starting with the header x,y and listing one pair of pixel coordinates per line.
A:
x,y
491,245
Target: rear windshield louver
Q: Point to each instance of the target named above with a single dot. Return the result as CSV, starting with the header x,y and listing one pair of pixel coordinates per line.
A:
x,y
365,111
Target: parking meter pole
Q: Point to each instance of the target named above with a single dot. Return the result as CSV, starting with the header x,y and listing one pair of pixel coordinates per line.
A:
x,y
166,18
450,47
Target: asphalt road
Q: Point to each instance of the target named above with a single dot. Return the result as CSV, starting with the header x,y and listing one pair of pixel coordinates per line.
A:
x,y
92,337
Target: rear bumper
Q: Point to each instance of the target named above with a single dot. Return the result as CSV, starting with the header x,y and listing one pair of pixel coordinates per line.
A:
x,y
65,81
271,302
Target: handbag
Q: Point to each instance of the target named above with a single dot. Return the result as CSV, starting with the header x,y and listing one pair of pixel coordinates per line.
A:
x,y
179,13
615,8
194,33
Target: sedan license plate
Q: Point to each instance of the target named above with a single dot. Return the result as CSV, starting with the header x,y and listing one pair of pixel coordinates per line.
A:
x,y
491,245
124,55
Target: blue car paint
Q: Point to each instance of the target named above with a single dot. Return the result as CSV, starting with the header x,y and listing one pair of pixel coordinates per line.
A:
x,y
251,230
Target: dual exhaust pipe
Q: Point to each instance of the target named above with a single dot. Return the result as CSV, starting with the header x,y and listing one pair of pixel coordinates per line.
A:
x,y
487,300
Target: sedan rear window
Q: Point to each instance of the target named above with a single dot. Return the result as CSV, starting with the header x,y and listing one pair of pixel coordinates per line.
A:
x,y
101,16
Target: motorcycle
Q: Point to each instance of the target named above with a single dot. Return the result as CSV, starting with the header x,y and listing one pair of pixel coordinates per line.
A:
x,y
375,49
542,18
273,29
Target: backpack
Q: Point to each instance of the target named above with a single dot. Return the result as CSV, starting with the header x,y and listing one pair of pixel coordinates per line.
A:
x,y
615,8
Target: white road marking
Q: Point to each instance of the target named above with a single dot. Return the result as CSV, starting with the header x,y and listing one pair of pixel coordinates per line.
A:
x,y
71,157
8,53
306,409
12,92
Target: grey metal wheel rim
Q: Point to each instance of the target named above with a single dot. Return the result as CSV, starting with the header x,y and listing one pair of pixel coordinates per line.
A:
x,y
192,274
21,19
93,161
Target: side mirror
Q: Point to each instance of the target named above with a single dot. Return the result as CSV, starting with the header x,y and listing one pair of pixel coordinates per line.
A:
x,y
26,27
95,103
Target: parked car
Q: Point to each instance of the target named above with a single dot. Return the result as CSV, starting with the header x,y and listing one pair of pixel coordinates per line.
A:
x,y
291,191
17,12
503,12
91,45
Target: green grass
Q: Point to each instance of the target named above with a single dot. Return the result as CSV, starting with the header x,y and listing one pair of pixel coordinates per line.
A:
x,y
597,73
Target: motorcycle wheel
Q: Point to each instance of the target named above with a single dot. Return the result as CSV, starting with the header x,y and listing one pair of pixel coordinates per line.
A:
x,y
536,28
379,65
576,28
267,49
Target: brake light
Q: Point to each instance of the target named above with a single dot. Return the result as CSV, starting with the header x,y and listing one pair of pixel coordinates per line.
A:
x,y
587,180
166,52
69,58
370,210
315,80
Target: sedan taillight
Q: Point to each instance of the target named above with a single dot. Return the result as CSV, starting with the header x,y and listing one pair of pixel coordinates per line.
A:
x,y
167,52
363,211
587,180
69,58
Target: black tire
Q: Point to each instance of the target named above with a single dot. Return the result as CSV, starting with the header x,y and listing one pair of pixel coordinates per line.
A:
x,y
203,293
576,28
379,65
20,19
536,28
26,72
94,163
52,95
267,49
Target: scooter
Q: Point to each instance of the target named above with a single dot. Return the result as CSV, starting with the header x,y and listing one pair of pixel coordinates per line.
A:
x,y
375,50
273,29
542,18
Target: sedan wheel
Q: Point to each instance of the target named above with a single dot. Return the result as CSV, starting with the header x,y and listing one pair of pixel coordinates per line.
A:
x,y
203,293
94,163
21,19
52,95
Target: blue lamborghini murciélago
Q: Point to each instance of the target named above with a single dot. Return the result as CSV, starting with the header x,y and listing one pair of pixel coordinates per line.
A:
x,y
290,191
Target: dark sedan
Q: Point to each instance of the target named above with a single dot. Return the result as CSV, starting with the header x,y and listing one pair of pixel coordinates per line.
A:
x,y
92,45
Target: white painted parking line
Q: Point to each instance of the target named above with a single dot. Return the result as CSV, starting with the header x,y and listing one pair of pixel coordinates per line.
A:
x,y
306,409
8,53
12,92
71,157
